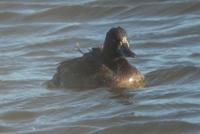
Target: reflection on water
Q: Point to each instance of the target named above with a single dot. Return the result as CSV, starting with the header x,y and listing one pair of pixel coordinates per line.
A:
x,y
122,96
37,35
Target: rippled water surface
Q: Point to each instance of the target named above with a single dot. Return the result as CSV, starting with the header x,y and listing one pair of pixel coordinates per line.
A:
x,y
36,35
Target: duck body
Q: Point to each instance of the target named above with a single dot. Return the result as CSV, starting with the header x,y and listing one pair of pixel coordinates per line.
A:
x,y
87,71
101,67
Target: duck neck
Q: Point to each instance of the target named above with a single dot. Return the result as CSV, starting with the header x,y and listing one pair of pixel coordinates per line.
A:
x,y
111,61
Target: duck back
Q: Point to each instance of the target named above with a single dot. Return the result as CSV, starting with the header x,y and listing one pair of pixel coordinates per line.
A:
x,y
87,71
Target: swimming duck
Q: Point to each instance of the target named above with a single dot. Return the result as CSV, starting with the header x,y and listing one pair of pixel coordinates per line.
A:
x,y
101,67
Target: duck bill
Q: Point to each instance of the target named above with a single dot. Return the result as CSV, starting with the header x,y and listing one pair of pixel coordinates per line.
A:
x,y
125,51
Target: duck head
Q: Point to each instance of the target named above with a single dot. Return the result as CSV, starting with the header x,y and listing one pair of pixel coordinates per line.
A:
x,y
116,44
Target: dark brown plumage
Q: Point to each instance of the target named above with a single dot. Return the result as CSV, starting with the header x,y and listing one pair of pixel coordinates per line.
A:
x,y
101,67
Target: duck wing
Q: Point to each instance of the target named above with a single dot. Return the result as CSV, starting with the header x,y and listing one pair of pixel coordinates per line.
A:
x,y
87,71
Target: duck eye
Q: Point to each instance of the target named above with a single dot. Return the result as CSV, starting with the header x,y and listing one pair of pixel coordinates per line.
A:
x,y
114,40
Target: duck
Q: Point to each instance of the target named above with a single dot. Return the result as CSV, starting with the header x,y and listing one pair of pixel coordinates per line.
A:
x,y
104,66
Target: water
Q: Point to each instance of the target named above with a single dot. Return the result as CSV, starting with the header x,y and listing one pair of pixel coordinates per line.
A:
x,y
37,35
